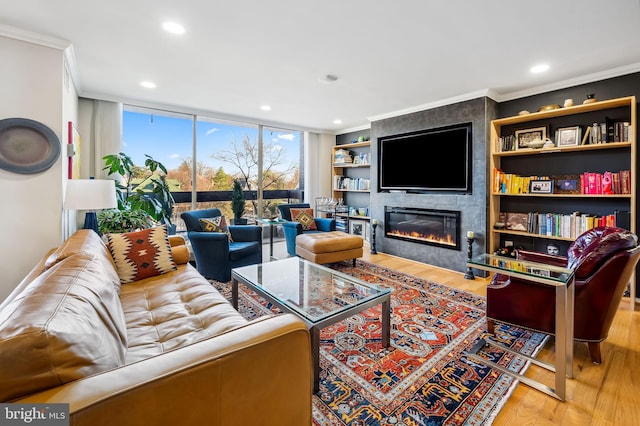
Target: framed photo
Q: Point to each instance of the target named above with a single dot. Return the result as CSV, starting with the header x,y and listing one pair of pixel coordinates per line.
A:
x,y
523,137
358,227
539,272
568,136
541,187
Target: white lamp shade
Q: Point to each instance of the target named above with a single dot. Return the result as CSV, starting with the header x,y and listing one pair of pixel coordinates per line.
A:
x,y
90,194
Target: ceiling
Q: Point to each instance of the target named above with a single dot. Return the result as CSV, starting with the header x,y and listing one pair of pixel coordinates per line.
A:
x,y
388,57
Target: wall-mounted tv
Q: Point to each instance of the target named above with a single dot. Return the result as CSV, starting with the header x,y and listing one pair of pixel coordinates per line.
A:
x,y
433,160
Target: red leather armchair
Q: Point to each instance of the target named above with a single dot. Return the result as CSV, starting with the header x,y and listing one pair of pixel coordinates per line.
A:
x,y
603,258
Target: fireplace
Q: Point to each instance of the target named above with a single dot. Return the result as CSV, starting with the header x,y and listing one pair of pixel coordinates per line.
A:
x,y
439,228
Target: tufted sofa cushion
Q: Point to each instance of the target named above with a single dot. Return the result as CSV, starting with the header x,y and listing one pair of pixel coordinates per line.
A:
x,y
173,310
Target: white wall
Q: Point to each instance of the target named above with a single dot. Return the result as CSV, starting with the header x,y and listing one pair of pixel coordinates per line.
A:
x,y
32,86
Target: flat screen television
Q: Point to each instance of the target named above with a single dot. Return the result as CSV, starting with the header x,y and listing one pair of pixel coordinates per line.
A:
x,y
433,160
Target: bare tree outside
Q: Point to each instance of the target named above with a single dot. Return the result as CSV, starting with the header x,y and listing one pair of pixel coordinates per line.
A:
x,y
243,157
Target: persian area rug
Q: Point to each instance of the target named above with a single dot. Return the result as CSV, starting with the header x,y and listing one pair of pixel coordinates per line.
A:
x,y
424,377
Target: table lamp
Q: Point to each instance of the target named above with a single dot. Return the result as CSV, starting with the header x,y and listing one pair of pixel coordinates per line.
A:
x,y
91,195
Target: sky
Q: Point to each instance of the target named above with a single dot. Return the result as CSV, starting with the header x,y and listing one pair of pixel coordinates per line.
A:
x,y
168,139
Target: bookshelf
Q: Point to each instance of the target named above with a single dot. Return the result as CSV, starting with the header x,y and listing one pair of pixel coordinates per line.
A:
x,y
351,165
513,166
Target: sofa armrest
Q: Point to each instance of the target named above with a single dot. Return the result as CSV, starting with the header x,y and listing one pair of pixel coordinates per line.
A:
x,y
246,232
265,365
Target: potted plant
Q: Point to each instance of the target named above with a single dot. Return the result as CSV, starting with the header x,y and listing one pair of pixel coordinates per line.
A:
x,y
114,221
151,195
238,203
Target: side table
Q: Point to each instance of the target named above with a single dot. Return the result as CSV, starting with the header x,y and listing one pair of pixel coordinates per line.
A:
x,y
562,279
273,223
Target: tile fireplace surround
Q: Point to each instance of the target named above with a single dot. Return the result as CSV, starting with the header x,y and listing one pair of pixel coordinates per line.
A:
x,y
439,228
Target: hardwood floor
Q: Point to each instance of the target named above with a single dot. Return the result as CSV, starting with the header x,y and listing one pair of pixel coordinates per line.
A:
x,y
605,394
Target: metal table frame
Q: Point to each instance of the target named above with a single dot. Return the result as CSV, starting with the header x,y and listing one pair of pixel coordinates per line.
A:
x,y
563,282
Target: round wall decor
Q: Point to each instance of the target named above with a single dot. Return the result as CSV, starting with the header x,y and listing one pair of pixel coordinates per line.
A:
x,y
27,146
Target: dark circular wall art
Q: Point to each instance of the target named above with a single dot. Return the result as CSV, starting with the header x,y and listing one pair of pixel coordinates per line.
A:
x,y
27,146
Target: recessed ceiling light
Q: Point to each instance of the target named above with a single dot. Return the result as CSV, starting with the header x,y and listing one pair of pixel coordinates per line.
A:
x,y
328,79
539,68
337,121
148,84
265,108
173,27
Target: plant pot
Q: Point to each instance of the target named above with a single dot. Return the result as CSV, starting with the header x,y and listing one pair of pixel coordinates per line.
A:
x,y
240,221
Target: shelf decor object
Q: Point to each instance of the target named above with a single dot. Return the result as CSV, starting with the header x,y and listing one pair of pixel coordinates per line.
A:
x,y
27,146
470,239
568,136
524,137
374,225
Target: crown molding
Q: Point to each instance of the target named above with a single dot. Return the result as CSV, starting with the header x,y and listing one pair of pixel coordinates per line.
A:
x,y
353,129
47,41
585,79
35,38
431,105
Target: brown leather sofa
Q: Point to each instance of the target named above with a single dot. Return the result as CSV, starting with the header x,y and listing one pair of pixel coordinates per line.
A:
x,y
603,259
168,349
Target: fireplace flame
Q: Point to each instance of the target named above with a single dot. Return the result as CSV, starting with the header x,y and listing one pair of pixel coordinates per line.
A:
x,y
432,238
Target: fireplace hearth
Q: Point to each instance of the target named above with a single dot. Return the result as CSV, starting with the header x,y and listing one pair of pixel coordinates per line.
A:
x,y
425,226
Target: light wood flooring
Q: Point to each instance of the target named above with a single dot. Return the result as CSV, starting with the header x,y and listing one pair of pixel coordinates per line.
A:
x,y
605,394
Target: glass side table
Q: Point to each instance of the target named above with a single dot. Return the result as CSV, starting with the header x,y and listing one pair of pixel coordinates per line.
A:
x,y
562,279
273,223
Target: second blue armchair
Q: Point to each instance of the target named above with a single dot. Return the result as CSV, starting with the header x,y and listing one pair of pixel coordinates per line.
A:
x,y
293,229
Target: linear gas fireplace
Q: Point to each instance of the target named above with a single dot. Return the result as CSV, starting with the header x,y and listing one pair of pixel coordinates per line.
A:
x,y
434,227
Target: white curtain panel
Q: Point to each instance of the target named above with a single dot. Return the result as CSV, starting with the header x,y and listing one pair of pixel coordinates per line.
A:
x,y
100,124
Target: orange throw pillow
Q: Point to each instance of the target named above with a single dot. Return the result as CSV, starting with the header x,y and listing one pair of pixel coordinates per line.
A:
x,y
305,218
141,254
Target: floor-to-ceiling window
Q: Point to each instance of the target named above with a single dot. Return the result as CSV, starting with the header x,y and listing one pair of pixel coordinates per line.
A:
x,y
205,155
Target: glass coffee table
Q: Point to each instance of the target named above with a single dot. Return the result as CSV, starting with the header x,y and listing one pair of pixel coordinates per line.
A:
x,y
316,294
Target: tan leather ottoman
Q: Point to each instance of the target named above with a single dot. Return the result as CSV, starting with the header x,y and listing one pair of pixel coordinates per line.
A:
x,y
329,247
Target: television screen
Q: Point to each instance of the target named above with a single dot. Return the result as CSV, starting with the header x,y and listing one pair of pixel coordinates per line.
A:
x,y
434,160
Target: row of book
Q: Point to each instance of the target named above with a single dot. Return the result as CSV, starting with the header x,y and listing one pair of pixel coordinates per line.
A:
x,y
351,183
606,183
587,183
609,131
510,183
562,225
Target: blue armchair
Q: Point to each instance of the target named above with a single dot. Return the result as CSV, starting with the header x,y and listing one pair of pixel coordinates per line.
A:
x,y
215,256
293,229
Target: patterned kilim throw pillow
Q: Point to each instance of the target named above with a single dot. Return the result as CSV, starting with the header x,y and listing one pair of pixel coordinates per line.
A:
x,y
216,224
141,254
305,218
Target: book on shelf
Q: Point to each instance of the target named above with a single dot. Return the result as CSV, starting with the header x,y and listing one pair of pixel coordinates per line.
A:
x,y
606,183
607,132
587,134
562,225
